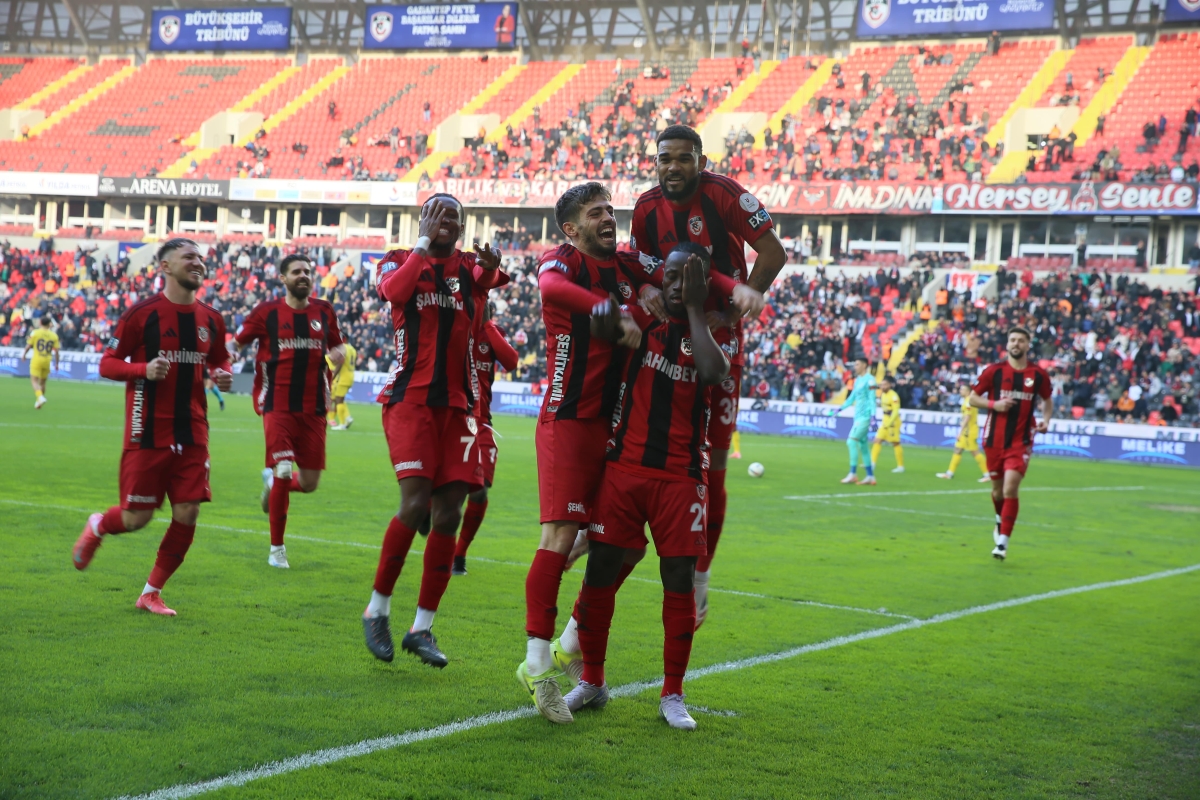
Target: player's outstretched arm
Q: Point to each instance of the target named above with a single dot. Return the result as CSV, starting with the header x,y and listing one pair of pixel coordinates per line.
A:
x,y
769,261
25,354
712,365
506,355
612,325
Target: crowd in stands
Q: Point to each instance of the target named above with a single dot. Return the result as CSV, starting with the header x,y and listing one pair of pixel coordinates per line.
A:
x,y
1115,348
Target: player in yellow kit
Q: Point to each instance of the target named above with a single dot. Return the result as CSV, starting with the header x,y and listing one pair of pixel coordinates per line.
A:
x,y
343,379
968,438
889,429
44,343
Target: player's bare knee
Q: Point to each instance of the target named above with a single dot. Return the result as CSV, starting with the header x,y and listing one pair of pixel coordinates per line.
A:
x,y
185,513
479,496
718,460
559,536
678,573
634,556
603,565
309,479
135,520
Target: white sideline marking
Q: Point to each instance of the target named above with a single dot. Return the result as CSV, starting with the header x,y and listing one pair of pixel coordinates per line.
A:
x,y
368,746
869,493
879,612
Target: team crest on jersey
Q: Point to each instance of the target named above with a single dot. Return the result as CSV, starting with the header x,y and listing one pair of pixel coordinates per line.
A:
x,y
381,25
168,29
1028,383
202,333
472,426
453,284
748,202
696,225
315,325
626,290
700,490
685,346
483,347
727,385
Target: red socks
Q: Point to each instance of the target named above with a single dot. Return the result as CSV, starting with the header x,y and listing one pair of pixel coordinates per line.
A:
x,y
541,593
174,547
716,517
439,555
113,521
277,505
396,542
1008,515
679,623
594,613
472,519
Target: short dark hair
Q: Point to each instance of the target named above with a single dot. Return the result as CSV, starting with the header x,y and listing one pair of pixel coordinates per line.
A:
x,y
462,211
863,358
45,320
171,245
567,208
289,260
1021,330
693,249
681,132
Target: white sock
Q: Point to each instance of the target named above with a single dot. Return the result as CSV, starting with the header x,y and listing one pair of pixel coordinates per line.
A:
x,y
701,581
148,589
275,548
424,619
997,519
380,605
950,472
537,656
569,641
1002,539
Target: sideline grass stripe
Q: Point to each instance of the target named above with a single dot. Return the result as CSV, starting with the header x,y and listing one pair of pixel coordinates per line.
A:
x,y
869,493
335,754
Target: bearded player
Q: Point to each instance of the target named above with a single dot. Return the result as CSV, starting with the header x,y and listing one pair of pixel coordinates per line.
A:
x,y
162,349
692,204
491,348
968,438
438,294
1012,388
295,334
657,475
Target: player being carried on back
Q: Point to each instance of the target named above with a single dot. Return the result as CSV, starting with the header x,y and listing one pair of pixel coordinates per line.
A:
x,y
162,349
295,334
437,294
44,343
889,428
1013,387
490,348
862,397
968,438
657,474
691,204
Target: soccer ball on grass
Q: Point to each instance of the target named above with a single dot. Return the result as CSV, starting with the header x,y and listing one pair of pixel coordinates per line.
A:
x,y
756,470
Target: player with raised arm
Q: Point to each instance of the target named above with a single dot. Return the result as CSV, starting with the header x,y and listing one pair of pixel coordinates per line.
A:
x,y
44,343
437,294
162,349
717,212
295,334
889,428
968,438
343,380
862,397
657,475
491,348
1012,388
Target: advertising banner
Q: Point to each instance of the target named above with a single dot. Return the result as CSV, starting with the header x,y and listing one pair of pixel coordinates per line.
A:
x,y
72,365
442,26
942,17
305,191
263,28
49,183
164,187
1182,11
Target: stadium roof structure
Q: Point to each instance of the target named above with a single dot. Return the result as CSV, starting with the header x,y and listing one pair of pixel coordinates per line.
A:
x,y
547,28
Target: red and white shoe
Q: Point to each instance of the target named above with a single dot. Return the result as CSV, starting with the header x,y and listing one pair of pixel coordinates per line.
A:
x,y
867,481
735,455
153,602
88,542
852,478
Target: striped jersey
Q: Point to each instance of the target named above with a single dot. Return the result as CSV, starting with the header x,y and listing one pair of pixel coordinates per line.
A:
x,y
661,424
722,217
583,376
1012,428
290,373
172,411
492,348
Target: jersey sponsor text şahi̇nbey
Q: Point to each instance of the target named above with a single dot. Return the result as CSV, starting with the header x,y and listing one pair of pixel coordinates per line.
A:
x,y
1012,428
583,377
661,428
290,372
172,411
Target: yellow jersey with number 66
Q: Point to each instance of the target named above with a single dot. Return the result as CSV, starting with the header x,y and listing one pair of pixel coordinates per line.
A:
x,y
44,342
889,429
969,438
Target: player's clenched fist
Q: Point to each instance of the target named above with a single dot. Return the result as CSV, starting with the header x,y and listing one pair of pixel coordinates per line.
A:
x,y
223,379
157,369
748,301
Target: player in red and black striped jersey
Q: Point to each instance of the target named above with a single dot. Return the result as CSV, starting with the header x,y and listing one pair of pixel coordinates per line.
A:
x,y
438,294
657,475
693,205
490,349
291,390
163,348
1012,387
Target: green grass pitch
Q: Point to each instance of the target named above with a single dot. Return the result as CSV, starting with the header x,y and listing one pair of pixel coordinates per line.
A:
x,y
1087,695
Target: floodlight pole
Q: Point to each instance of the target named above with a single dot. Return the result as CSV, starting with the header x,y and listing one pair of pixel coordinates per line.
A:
x,y
792,29
712,50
